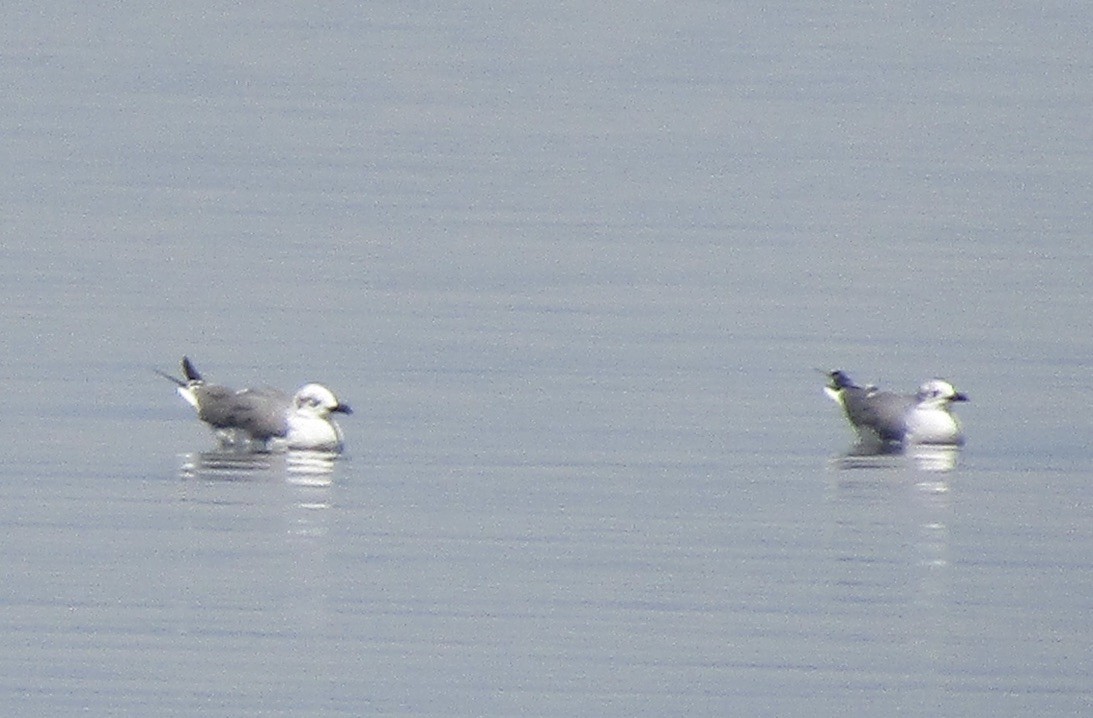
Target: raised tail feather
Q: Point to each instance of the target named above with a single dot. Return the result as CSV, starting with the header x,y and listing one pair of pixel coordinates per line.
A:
x,y
189,371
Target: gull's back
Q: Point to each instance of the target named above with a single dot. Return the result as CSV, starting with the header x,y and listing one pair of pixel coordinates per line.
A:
x,y
261,413
883,413
875,415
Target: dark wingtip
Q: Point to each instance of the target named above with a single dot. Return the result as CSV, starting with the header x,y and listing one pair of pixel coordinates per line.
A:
x,y
168,377
189,371
839,379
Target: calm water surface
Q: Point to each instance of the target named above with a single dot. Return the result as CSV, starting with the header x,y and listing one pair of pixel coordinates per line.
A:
x,y
574,268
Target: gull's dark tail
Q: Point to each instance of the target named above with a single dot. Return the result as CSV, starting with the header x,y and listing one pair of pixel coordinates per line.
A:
x,y
187,389
189,371
839,380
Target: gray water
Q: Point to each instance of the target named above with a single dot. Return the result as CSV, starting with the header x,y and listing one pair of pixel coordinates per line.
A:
x,y
574,266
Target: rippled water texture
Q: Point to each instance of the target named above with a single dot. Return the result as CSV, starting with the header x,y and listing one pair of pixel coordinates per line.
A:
x,y
574,267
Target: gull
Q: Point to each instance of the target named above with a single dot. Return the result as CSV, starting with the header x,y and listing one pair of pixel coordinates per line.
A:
x,y
266,417
885,417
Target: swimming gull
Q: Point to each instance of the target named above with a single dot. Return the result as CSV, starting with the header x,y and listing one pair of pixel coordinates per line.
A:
x,y
266,417
886,417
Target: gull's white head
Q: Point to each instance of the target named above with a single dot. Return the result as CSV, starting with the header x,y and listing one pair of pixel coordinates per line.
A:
x,y
938,393
318,400
930,421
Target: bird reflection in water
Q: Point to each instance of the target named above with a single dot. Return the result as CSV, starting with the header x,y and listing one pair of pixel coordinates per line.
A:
x,y
308,468
925,457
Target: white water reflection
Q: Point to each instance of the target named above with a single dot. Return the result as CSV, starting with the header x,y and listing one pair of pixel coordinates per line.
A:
x,y
934,458
292,489
889,538
922,457
306,468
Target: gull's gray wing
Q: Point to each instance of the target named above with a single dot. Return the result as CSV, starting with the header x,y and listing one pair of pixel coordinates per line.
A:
x,y
262,413
881,412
